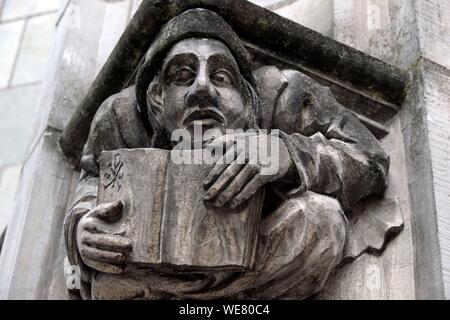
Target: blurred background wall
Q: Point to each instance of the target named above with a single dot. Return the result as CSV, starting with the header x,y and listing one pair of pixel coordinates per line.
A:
x,y
27,29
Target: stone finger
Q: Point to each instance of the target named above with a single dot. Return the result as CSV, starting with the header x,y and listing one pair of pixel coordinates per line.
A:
x,y
248,191
109,212
219,168
239,182
103,256
108,242
224,179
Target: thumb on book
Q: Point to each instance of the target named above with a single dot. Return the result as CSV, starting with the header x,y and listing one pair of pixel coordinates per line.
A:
x,y
109,212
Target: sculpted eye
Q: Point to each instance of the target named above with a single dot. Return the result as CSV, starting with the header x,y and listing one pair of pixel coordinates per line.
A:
x,y
222,78
184,75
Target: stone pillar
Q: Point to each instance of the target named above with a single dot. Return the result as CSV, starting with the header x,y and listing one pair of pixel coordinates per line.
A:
x,y
433,112
415,35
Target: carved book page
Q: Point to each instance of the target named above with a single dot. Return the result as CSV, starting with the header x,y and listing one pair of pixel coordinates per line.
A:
x,y
167,219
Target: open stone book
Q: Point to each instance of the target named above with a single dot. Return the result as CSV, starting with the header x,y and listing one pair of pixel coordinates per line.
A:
x,y
164,212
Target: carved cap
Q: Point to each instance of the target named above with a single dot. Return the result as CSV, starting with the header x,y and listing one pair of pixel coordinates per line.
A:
x,y
194,23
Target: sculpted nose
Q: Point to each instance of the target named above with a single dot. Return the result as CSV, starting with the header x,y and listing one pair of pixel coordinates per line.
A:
x,y
202,93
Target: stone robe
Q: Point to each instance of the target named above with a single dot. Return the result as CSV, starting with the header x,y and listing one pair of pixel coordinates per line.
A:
x,y
304,230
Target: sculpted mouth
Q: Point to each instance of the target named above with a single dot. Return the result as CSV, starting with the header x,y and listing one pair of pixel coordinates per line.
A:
x,y
203,116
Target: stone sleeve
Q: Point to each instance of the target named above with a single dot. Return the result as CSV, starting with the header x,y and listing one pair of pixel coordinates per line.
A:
x,y
334,153
85,199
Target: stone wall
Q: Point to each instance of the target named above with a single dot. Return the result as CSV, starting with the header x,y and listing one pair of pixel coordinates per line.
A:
x,y
27,29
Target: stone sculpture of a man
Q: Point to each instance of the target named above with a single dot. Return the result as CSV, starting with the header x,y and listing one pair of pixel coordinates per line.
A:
x,y
198,73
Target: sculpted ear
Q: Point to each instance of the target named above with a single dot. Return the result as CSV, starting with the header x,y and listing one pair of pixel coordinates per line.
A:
x,y
252,103
154,94
155,103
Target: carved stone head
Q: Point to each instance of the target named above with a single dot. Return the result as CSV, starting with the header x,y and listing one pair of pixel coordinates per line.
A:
x,y
196,73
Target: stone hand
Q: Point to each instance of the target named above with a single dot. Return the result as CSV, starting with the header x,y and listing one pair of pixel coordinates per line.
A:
x,y
99,248
244,168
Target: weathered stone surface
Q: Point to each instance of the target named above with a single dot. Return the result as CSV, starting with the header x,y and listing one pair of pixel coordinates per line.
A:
x,y
34,51
82,28
168,221
437,97
433,17
327,163
389,276
20,278
414,30
116,18
427,261
386,29
10,34
411,265
434,30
